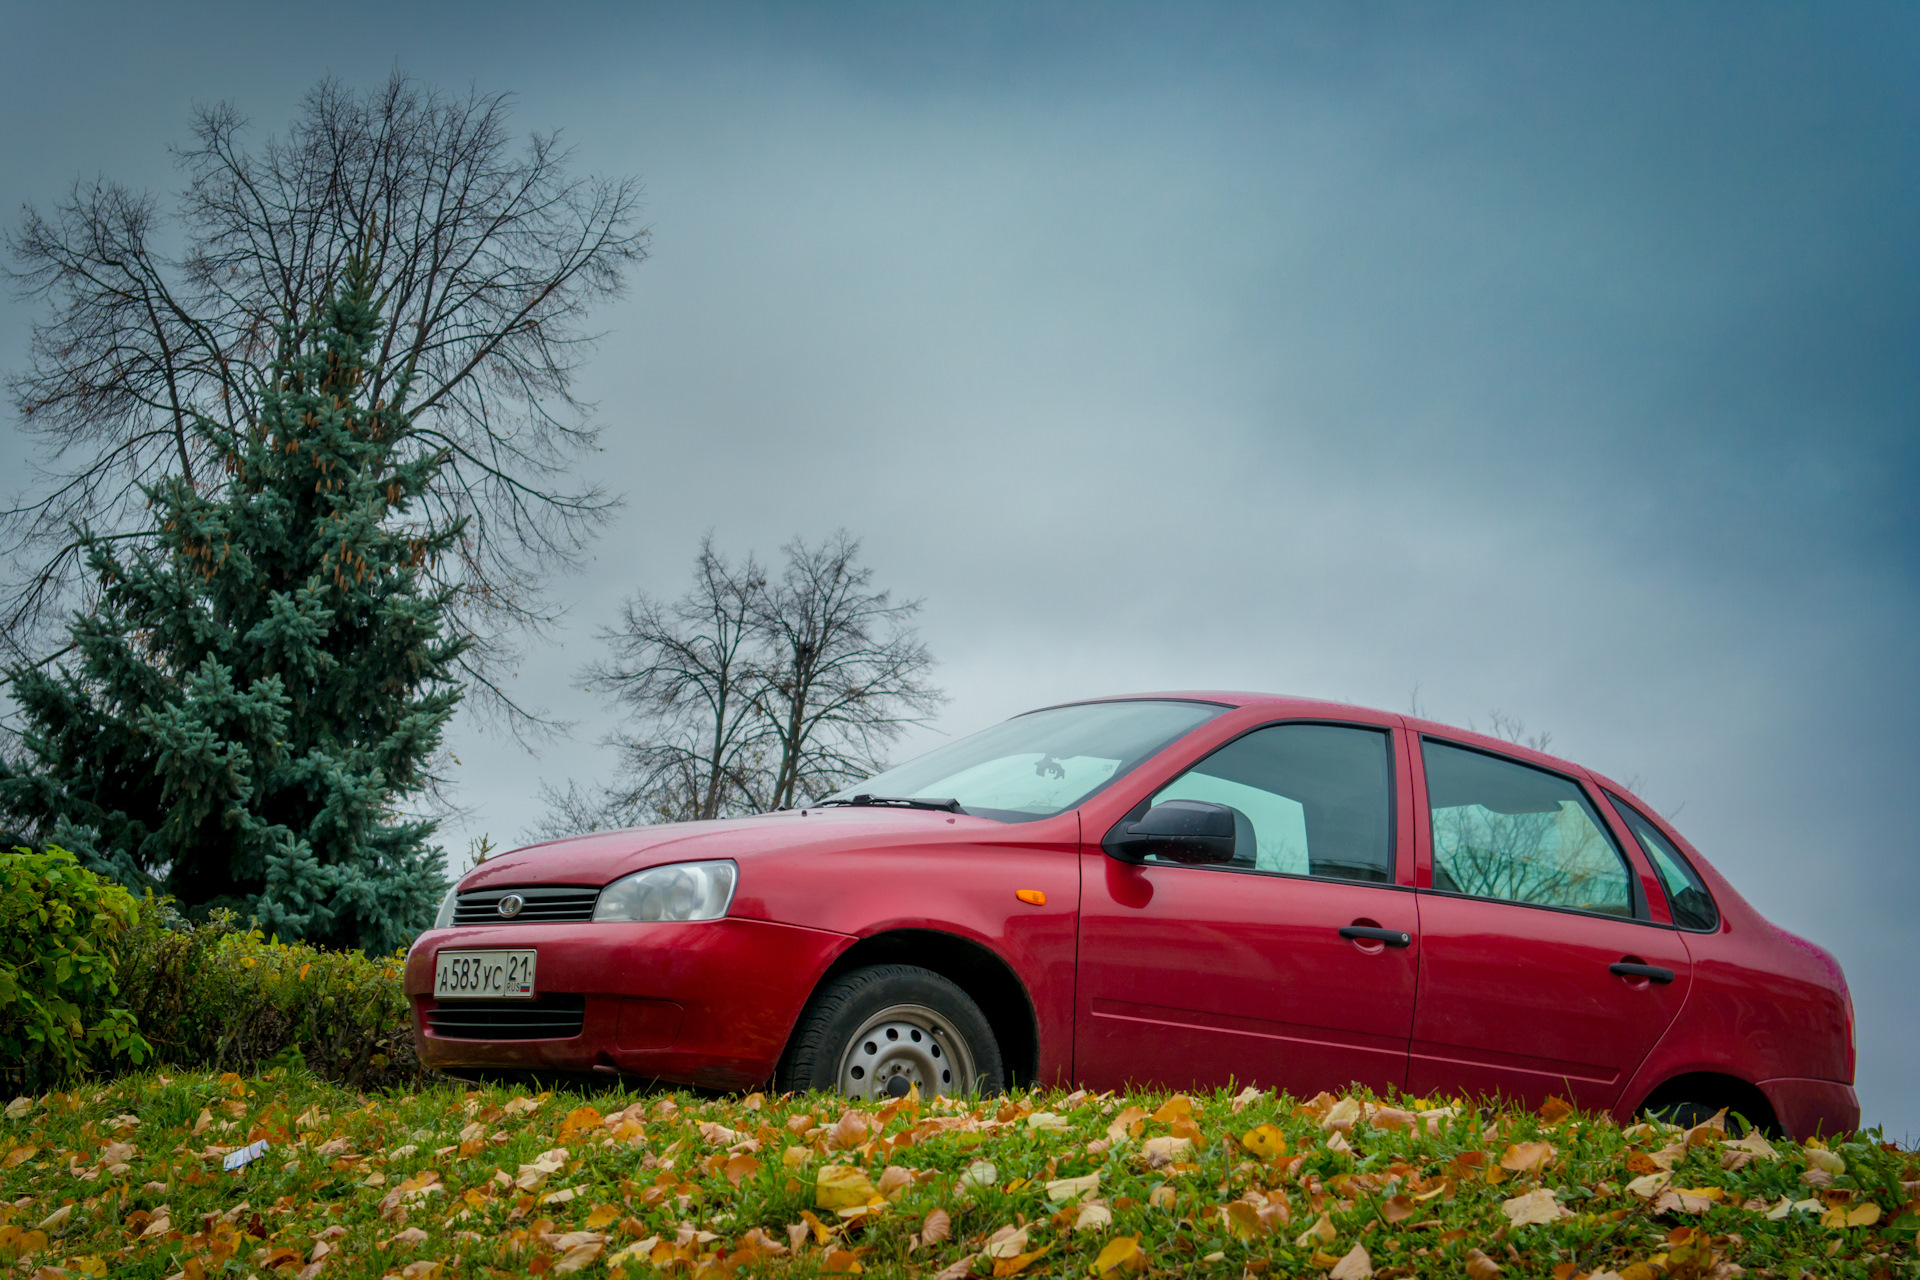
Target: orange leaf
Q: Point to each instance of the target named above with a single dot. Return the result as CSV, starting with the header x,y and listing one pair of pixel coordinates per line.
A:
x,y
1397,1209
741,1167
1554,1110
1018,1262
578,1121
1121,1251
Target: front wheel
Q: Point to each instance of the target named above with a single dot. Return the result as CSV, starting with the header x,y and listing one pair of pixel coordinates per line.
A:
x,y
881,1031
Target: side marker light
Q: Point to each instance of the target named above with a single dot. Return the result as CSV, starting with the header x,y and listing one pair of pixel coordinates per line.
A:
x,y
1035,896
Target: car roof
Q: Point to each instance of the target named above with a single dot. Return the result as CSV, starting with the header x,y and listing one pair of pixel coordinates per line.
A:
x,y
1280,704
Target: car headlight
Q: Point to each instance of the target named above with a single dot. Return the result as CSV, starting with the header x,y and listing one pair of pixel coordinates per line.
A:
x,y
443,918
678,891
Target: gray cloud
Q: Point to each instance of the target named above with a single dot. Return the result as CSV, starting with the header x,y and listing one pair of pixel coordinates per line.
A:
x,y
1554,361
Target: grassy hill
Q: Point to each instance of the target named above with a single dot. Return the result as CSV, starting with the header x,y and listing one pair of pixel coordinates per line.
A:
x,y
127,1179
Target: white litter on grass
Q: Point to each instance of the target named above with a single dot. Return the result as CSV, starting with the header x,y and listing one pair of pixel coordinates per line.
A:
x,y
245,1155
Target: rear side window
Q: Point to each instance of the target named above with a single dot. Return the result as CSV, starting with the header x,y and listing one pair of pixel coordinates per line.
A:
x,y
1308,800
1687,894
1505,830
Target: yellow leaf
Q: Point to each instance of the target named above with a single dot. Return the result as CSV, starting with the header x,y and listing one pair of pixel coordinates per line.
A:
x,y
1121,1251
19,1155
1265,1141
741,1167
1825,1160
842,1186
1838,1218
1321,1258
1178,1107
1321,1232
602,1214
1243,1220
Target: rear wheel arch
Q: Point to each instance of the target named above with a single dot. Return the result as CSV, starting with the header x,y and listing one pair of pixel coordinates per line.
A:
x,y
1713,1090
973,967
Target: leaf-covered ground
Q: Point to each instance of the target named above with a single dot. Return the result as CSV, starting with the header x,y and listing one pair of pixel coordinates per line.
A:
x,y
127,1180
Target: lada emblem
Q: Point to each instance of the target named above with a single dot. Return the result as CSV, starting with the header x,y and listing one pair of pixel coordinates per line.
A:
x,y
510,905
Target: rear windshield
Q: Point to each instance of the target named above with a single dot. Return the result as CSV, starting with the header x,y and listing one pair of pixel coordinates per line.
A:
x,y
1042,763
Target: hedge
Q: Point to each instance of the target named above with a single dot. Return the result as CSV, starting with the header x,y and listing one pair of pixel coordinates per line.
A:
x,y
111,981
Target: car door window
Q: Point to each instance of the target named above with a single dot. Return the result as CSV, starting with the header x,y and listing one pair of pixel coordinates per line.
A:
x,y
1308,800
1505,830
1687,895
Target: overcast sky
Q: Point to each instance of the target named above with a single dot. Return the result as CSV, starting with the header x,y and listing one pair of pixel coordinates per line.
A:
x,y
1556,361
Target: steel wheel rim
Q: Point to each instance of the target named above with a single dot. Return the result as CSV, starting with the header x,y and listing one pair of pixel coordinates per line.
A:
x,y
907,1042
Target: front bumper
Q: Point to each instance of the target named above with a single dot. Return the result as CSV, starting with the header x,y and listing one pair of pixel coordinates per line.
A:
x,y
708,1003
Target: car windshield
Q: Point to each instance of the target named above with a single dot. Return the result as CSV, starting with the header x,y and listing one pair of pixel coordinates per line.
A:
x,y
1042,763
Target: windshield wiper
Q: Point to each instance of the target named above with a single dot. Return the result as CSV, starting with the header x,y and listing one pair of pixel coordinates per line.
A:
x,y
904,802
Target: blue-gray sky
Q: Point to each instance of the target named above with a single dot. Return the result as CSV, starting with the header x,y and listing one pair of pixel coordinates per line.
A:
x,y
1551,359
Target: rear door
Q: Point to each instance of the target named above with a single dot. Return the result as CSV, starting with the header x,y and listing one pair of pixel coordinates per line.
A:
x,y
1541,972
1193,976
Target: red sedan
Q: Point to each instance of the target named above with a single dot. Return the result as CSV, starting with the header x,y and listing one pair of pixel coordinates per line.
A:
x,y
1182,890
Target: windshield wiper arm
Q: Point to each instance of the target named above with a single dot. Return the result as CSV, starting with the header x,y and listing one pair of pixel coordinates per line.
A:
x,y
905,802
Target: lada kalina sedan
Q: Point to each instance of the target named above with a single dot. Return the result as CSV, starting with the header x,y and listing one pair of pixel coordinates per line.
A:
x,y
1178,889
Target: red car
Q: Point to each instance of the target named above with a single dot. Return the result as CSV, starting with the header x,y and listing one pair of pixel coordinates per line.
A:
x,y
1178,889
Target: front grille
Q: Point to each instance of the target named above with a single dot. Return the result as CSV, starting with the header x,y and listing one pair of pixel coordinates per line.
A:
x,y
539,905
547,1018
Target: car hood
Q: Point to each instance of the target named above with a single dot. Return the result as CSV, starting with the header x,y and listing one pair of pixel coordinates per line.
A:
x,y
606,856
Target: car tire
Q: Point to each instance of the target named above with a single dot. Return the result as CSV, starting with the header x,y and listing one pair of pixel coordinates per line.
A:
x,y
879,1031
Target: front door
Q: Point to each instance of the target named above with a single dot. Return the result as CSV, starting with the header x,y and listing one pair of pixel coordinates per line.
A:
x,y
1540,972
1193,976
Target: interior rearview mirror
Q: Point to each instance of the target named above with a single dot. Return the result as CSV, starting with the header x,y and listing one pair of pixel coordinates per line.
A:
x,y
1193,832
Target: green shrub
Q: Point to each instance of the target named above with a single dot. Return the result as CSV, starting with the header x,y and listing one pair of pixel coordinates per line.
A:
x,y
219,997
61,935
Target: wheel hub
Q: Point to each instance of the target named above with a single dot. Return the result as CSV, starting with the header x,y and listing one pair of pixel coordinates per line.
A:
x,y
902,1047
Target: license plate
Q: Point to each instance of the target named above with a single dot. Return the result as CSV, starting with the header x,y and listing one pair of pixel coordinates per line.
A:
x,y
483,975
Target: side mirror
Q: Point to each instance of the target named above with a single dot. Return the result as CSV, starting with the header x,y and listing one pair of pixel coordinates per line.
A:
x,y
1197,833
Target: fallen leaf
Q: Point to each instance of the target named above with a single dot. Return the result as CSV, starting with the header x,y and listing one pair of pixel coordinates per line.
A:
x,y
1244,1221
1165,1150
19,1107
1398,1208
1526,1157
1047,1120
849,1131
1825,1161
741,1167
1006,1242
19,1155
1264,1141
1127,1124
578,1121
601,1215
1554,1110
1356,1265
1536,1207
1178,1107
1341,1116
1480,1266
1649,1186
842,1186
1321,1232
1063,1190
1121,1251
1246,1098
411,1236
981,1175
1019,1262
57,1219
577,1257
1092,1216
1839,1217
936,1227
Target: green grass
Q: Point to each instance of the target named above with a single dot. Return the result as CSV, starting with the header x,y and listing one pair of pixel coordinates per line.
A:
x,y
803,1186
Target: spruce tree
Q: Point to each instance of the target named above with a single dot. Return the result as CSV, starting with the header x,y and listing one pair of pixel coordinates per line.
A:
x,y
256,693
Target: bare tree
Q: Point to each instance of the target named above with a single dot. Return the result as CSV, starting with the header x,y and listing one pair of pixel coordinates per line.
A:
x,y
747,695
846,673
686,671
488,256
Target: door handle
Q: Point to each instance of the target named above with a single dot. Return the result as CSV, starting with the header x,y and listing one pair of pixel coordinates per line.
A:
x,y
1651,972
1392,937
